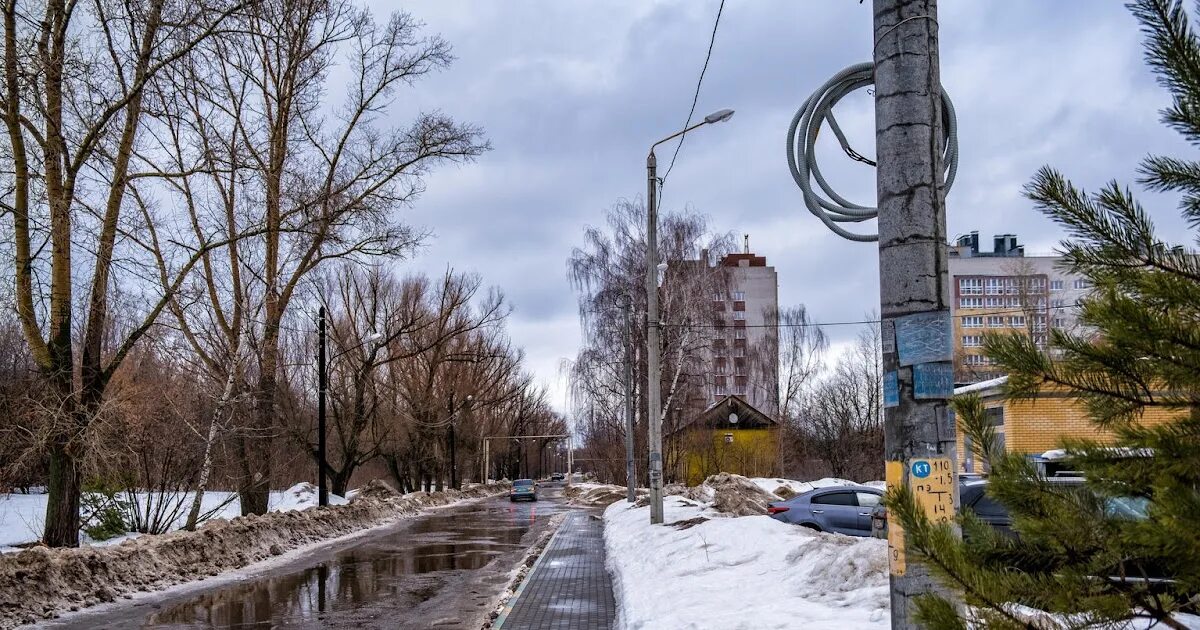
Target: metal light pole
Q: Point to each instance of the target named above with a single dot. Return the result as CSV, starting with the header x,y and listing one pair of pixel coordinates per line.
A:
x,y
322,387
630,473
653,345
322,490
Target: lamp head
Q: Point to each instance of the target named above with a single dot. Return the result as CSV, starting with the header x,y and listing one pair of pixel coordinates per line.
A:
x,y
373,337
720,115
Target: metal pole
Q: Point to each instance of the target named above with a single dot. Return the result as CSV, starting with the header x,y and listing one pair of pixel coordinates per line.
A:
x,y
486,472
630,475
453,463
322,492
653,346
914,297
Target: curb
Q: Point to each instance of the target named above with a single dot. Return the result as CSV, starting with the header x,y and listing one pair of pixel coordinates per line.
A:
x,y
512,601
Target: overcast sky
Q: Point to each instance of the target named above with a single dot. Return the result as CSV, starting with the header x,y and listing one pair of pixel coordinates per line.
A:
x,y
571,94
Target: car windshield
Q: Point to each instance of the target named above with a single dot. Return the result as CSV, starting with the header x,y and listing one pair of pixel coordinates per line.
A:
x,y
1128,507
521,483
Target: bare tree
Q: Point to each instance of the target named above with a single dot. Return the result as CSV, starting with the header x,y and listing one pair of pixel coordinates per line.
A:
x,y
608,273
841,419
323,181
75,79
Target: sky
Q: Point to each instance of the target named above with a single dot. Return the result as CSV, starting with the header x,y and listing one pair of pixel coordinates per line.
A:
x,y
571,95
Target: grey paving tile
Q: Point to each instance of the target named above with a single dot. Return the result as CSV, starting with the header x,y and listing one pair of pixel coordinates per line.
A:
x,y
570,589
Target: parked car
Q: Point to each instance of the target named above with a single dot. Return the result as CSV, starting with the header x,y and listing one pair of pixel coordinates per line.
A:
x,y
557,477
973,496
523,490
841,509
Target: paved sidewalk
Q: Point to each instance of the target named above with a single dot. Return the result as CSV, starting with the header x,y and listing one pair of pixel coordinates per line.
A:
x,y
568,589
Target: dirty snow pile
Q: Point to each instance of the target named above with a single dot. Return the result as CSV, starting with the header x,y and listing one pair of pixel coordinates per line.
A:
x,y
739,573
596,494
40,583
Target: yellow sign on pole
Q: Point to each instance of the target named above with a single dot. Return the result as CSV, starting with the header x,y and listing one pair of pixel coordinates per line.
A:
x,y
894,475
932,482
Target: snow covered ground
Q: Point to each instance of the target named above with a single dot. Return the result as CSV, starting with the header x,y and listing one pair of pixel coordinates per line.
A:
x,y
751,572
22,516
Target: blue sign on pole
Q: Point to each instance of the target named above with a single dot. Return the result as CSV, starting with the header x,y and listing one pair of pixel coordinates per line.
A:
x,y
921,469
933,380
924,338
891,390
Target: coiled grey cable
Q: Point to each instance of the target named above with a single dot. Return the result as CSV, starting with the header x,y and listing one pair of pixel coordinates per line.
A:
x,y
832,208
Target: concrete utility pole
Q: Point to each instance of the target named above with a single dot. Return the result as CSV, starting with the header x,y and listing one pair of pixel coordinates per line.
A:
x,y
630,475
653,345
919,441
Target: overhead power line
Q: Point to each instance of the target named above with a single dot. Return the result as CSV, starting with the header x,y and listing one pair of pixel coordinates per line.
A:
x,y
695,97
860,322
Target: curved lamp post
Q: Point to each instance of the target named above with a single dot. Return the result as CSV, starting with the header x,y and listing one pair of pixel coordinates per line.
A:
x,y
653,345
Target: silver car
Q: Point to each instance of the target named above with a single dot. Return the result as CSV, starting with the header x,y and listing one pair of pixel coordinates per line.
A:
x,y
841,509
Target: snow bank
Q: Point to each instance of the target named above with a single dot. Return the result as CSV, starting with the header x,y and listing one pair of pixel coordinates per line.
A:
x,y
22,515
39,583
740,573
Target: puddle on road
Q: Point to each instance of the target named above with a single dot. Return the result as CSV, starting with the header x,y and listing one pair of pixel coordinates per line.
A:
x,y
404,565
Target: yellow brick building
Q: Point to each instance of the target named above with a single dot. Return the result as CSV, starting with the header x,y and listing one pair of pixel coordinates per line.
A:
x,y
1034,426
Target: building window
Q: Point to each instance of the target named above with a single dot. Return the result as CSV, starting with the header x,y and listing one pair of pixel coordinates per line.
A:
x,y
973,321
1012,286
970,286
739,296
739,315
719,382
739,352
995,321
1080,283
739,333
1039,323
1056,285
970,302
976,359
1013,302
1017,321
993,286
1057,303
1037,285
1039,340
972,341
1060,322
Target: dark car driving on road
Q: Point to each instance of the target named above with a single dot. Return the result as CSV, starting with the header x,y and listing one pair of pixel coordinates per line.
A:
x,y
841,509
523,490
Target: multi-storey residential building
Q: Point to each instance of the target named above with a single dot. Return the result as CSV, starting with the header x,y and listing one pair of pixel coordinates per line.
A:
x,y
744,350
1005,291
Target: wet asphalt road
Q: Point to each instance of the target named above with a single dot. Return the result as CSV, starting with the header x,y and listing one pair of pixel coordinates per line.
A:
x,y
444,569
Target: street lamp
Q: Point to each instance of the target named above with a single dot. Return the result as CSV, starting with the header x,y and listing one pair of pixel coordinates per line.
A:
x,y
322,386
453,453
653,349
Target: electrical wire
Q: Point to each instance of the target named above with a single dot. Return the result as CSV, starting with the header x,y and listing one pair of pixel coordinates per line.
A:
x,y
695,97
861,322
833,209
